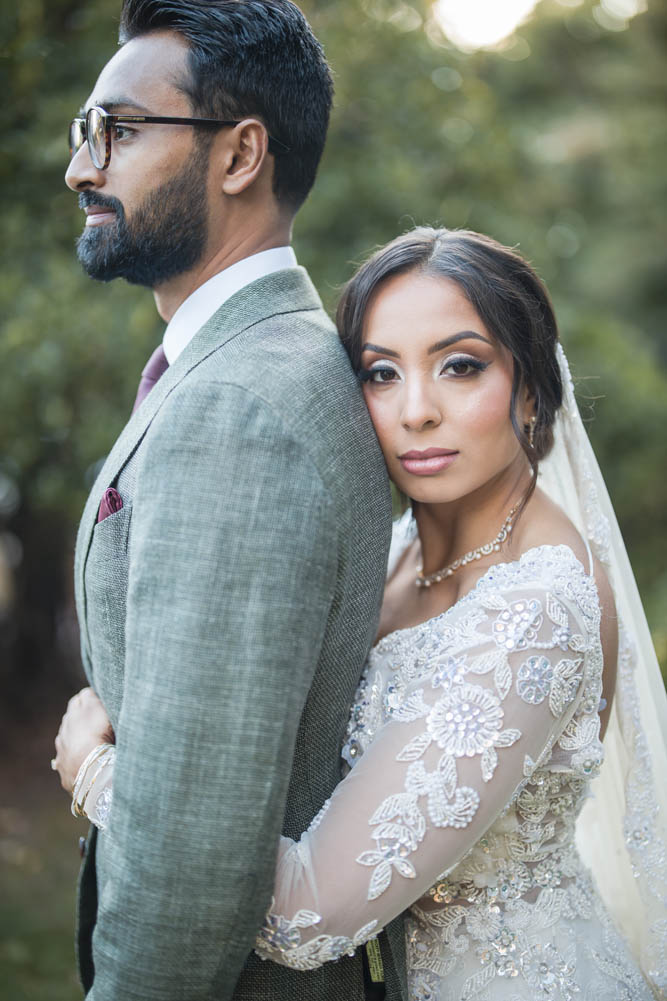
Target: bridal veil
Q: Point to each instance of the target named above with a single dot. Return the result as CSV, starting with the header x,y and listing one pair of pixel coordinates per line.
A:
x,y
622,831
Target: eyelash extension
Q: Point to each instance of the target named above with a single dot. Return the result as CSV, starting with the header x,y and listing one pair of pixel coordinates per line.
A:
x,y
365,374
475,363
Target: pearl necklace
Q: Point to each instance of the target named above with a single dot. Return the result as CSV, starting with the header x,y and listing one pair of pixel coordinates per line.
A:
x,y
474,554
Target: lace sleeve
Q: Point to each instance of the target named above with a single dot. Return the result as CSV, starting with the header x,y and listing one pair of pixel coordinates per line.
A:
x,y
499,678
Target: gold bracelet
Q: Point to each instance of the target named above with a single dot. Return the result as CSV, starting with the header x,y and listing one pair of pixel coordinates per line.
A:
x,y
95,778
88,761
96,755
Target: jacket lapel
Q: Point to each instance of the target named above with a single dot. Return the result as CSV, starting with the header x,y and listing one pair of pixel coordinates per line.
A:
x,y
278,293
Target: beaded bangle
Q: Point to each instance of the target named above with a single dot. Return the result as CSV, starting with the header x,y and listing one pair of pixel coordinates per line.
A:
x,y
101,763
92,756
96,755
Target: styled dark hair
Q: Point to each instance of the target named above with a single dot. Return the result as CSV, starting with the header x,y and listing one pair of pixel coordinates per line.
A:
x,y
510,298
251,57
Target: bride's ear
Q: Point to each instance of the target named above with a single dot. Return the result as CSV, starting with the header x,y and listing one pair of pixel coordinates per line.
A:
x,y
526,404
527,412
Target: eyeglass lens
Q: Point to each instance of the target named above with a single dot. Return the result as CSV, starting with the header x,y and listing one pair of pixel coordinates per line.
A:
x,y
96,137
77,135
92,129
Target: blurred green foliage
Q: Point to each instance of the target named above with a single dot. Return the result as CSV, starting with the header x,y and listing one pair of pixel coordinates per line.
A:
x,y
554,142
40,856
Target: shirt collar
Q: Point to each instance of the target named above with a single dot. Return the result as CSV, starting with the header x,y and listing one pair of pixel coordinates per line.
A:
x,y
199,307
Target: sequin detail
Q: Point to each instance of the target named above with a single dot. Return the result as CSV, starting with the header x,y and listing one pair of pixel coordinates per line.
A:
x,y
534,679
103,807
514,914
283,937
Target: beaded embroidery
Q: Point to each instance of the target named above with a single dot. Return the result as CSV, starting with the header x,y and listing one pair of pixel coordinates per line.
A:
x,y
505,913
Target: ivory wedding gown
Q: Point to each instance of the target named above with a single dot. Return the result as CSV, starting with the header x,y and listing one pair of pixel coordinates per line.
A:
x,y
472,743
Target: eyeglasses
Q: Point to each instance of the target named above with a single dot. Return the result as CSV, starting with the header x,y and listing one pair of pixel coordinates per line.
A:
x,y
95,129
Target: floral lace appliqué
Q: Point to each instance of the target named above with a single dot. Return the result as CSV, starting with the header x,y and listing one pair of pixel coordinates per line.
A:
x,y
283,936
467,719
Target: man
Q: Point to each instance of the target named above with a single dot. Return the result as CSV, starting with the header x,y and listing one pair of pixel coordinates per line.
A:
x,y
230,559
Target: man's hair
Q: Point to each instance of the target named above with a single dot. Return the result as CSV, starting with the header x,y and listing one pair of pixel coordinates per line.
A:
x,y
251,58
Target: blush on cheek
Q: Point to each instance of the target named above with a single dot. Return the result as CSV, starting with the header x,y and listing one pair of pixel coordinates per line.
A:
x,y
488,417
486,410
483,425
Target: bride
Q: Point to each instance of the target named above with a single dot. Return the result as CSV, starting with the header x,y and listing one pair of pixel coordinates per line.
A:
x,y
476,732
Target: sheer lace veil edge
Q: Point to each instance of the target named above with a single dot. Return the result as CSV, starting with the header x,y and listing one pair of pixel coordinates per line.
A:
x,y
622,831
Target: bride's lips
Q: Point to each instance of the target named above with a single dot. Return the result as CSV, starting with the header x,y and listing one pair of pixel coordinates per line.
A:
x,y
428,462
96,215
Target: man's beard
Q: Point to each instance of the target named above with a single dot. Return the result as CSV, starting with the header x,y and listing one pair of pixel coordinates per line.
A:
x,y
166,236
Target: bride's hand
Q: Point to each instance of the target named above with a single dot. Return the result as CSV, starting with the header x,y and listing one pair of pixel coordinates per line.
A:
x,y
83,727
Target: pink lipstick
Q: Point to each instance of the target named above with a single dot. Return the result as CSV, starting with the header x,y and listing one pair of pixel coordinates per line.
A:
x,y
428,462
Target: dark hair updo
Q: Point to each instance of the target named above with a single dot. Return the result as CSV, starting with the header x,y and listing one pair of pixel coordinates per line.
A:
x,y
511,300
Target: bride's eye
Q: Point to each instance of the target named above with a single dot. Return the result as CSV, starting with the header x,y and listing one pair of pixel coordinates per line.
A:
x,y
462,366
379,375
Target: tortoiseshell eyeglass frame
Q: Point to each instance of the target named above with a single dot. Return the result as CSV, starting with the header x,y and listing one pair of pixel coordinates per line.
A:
x,y
80,128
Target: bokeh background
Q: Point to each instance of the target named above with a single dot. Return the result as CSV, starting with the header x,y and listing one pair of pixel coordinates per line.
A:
x,y
542,124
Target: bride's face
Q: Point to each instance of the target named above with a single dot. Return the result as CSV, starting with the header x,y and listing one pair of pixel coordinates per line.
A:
x,y
438,386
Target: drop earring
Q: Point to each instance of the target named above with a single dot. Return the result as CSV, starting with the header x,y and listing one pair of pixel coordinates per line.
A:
x,y
530,428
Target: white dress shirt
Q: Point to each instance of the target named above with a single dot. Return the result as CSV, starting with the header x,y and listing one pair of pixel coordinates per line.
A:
x,y
199,307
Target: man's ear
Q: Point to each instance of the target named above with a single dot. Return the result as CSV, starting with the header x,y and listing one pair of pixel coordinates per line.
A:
x,y
241,155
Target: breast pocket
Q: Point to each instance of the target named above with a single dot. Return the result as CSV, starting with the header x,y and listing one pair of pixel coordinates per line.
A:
x,y
106,579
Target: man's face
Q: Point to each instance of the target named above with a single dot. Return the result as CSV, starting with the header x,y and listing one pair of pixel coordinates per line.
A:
x,y
147,213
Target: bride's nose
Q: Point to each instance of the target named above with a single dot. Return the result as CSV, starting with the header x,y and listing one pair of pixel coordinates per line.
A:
x,y
420,406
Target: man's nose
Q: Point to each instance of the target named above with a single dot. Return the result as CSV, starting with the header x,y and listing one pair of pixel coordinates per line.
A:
x,y
82,173
421,407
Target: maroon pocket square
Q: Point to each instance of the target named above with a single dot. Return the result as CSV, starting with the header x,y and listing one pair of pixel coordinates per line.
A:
x,y
110,503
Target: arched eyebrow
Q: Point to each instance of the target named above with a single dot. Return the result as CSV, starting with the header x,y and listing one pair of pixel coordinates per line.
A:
x,y
380,351
464,335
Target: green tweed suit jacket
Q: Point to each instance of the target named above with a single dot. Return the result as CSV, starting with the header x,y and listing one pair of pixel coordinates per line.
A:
x,y
225,613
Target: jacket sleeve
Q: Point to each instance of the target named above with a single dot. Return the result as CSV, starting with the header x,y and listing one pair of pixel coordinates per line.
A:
x,y
233,556
496,687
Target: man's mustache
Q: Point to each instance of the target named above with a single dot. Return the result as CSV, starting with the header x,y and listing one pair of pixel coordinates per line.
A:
x,y
87,198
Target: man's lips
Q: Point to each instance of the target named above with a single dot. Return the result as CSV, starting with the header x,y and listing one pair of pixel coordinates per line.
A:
x,y
428,462
97,215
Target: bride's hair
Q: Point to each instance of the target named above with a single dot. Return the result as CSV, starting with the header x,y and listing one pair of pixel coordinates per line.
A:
x,y
506,292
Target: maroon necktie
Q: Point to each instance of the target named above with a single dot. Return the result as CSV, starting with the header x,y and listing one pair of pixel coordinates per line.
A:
x,y
155,368
157,365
